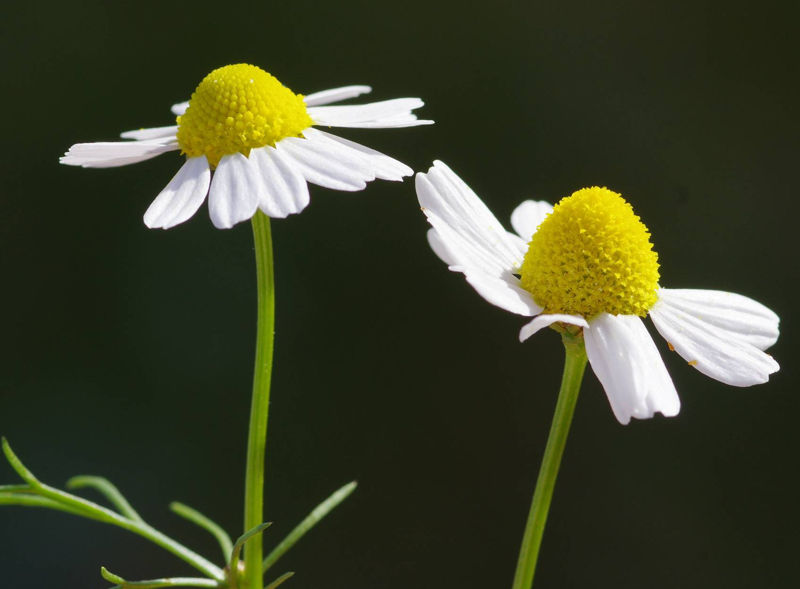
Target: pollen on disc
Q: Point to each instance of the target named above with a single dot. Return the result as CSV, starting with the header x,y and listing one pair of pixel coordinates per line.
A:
x,y
237,108
592,254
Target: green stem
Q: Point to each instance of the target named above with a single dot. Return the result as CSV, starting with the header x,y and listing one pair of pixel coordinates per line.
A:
x,y
259,408
574,365
49,497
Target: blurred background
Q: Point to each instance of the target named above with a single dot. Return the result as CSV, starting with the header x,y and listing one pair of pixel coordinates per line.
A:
x,y
127,352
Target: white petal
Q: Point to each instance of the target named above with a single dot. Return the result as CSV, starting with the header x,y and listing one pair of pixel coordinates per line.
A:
x,y
628,365
742,317
383,166
116,153
151,133
182,197
719,353
388,113
235,191
326,164
440,248
180,108
502,291
285,189
542,321
471,240
527,217
335,95
460,217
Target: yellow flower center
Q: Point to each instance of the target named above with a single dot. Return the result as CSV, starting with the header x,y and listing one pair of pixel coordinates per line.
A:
x,y
592,254
237,108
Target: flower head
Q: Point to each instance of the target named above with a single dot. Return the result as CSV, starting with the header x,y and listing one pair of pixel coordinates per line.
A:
x,y
258,139
588,263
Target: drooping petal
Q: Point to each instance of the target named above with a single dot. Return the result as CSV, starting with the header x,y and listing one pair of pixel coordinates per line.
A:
x,y
456,212
235,191
180,108
383,166
542,321
471,240
182,196
527,217
326,164
335,95
285,189
721,353
116,153
628,365
740,316
439,247
503,292
375,115
151,133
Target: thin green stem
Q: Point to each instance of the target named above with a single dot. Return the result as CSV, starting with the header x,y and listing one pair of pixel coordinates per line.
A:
x,y
207,524
309,522
574,365
259,408
56,499
109,491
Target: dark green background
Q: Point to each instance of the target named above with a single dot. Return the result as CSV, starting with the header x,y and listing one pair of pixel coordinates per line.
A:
x,y
128,352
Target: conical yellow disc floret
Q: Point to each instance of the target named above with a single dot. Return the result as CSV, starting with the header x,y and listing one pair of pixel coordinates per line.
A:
x,y
237,108
592,254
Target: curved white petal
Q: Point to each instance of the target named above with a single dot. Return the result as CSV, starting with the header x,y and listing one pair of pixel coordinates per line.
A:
x,y
182,196
440,248
502,291
335,95
235,191
628,365
326,164
151,133
527,217
740,316
285,190
116,153
384,114
459,215
716,352
383,166
180,108
471,240
542,321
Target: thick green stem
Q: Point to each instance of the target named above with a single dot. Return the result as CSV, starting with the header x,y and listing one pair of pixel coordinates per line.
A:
x,y
574,366
259,408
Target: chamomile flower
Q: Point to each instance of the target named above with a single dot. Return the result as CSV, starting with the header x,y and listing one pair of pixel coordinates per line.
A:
x,y
588,262
259,140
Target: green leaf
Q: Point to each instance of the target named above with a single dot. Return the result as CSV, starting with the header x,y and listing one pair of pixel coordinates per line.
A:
x,y
109,491
121,583
309,522
17,465
204,522
34,500
279,580
237,548
16,489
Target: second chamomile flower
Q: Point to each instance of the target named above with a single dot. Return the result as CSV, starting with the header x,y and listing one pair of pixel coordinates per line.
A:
x,y
588,262
259,139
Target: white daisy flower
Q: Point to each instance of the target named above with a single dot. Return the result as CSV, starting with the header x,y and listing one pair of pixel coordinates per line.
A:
x,y
258,138
588,263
